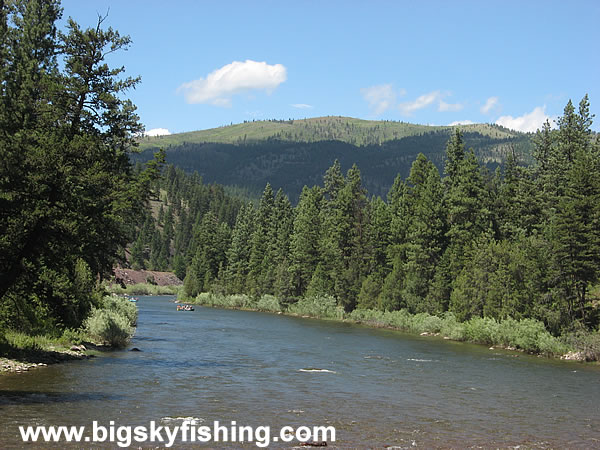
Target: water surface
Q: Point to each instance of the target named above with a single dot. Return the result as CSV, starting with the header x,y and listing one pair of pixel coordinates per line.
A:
x,y
377,387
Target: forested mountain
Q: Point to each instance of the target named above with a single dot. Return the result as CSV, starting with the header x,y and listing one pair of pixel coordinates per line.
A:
x,y
523,243
331,128
295,153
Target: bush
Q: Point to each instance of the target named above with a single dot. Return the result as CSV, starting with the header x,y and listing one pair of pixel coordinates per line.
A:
x,y
425,323
452,328
482,331
368,316
320,306
204,298
588,343
144,289
235,301
122,307
24,341
268,303
71,336
108,327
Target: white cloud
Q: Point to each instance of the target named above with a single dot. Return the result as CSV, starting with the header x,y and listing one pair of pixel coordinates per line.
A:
x,y
461,122
220,85
421,102
157,132
489,104
443,106
301,106
527,122
380,98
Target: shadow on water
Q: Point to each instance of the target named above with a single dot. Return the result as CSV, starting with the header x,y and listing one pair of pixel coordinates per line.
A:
x,y
149,339
173,363
35,355
15,397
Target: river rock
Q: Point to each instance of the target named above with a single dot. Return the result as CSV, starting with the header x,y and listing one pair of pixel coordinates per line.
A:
x,y
573,356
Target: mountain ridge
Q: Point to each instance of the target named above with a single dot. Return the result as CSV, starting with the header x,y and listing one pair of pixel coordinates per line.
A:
x,y
358,132
292,154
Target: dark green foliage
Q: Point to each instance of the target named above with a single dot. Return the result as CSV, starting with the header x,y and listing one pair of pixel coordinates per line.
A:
x,y
68,196
523,243
290,165
425,234
495,251
305,250
238,255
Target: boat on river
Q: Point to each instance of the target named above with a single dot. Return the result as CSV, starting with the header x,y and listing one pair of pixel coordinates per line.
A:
x,y
185,308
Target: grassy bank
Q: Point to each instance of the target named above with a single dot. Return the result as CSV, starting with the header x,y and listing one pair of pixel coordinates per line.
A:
x,y
143,289
528,335
110,325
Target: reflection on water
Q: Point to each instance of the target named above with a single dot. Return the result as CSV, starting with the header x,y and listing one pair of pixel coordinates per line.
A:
x,y
378,387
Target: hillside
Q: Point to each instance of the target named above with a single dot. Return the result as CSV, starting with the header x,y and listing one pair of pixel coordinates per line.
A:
x,y
291,154
345,129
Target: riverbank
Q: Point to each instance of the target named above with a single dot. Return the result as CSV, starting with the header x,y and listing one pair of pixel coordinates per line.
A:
x,y
143,289
34,352
527,335
110,325
143,282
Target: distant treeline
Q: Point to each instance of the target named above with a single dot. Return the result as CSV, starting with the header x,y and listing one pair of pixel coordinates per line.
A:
x,y
291,165
524,243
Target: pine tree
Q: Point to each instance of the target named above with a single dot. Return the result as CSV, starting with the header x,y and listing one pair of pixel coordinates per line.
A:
x,y
262,263
344,240
305,250
284,224
455,154
68,191
238,254
467,206
425,234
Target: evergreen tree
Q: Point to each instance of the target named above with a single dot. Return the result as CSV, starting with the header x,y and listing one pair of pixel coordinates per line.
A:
x,y
68,191
262,259
238,254
455,154
284,224
425,235
467,206
305,251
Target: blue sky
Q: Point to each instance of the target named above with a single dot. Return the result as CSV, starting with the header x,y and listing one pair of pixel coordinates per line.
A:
x,y
206,64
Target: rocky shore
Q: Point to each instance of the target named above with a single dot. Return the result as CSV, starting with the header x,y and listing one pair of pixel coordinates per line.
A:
x,y
27,360
131,277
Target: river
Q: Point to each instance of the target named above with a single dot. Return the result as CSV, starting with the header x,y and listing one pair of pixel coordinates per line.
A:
x,y
376,387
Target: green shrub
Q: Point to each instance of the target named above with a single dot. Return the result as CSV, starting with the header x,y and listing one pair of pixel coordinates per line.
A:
x,y
552,346
108,327
234,301
204,298
72,336
452,328
368,316
425,323
586,342
144,289
268,303
23,341
122,307
482,331
321,306
239,301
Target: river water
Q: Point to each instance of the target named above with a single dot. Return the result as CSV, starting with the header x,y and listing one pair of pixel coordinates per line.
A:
x,y
376,387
